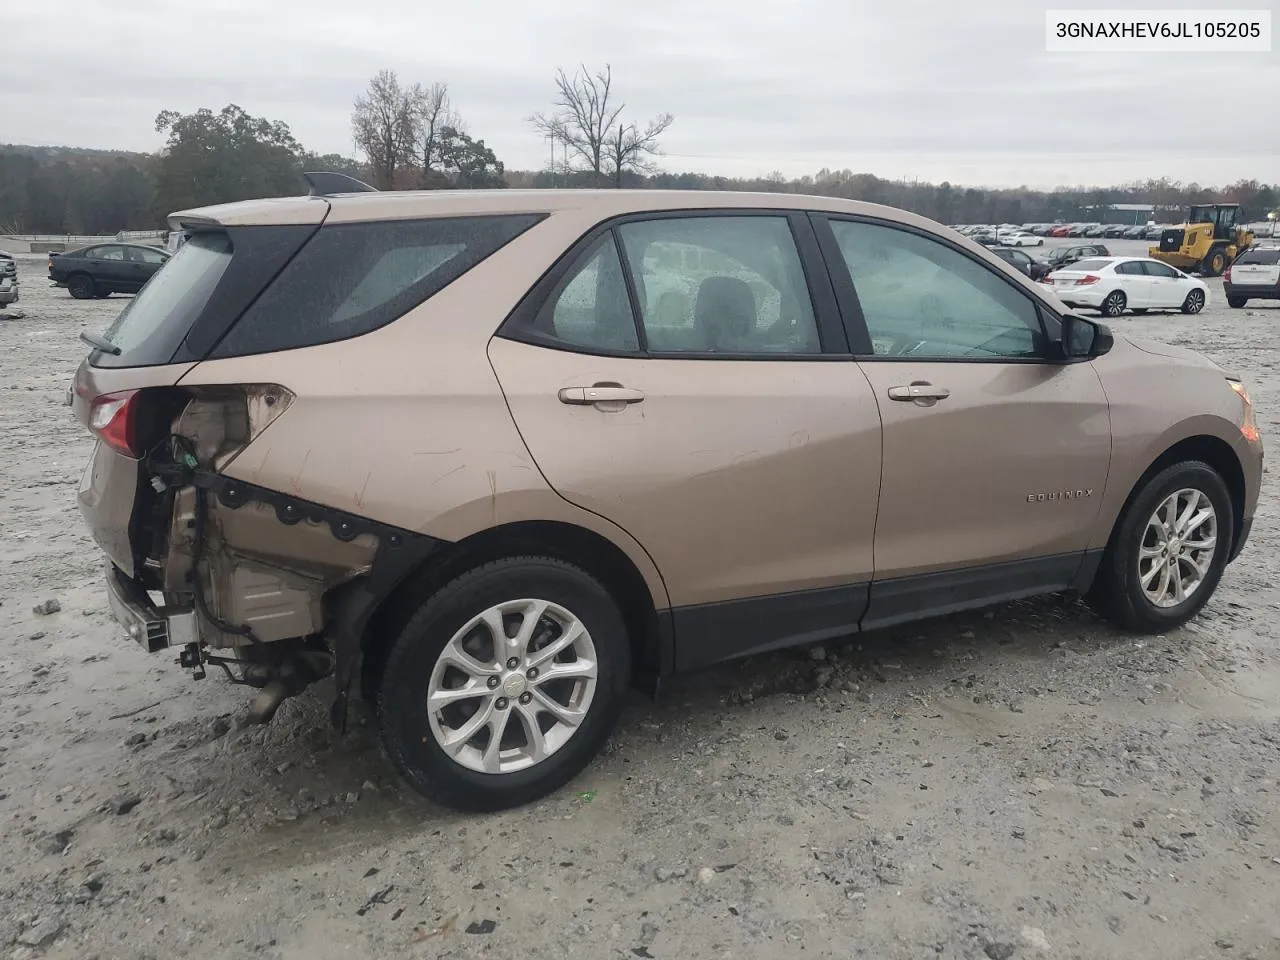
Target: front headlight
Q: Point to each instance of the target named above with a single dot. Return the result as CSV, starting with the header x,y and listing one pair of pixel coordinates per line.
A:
x,y
1249,425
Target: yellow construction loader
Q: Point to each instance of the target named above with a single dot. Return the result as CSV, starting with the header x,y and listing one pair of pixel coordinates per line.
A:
x,y
1209,241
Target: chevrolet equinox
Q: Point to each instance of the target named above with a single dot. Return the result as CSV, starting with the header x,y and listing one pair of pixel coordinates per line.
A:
x,y
489,457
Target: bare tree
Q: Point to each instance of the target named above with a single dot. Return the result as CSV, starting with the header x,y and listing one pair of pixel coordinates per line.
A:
x,y
584,118
384,124
631,150
434,114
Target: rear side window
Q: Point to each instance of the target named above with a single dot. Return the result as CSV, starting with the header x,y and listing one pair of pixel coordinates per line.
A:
x,y
353,278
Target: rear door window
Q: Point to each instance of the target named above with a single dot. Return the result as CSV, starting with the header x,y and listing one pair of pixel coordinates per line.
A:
x,y
353,278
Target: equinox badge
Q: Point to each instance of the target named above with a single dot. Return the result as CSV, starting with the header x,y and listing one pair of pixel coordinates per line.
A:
x,y
1059,495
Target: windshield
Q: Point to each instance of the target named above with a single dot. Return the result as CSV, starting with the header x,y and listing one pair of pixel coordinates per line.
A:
x,y
172,298
1087,265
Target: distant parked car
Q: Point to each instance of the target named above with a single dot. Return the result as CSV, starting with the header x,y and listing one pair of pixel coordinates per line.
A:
x,y
1066,255
1135,233
1060,230
105,268
7,267
1112,285
1020,238
8,291
1114,230
1254,276
1153,231
1035,269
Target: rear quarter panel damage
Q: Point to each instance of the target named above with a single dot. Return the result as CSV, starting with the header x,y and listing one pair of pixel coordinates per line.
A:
x,y
407,425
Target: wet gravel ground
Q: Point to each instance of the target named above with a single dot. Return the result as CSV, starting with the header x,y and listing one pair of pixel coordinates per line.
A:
x,y
1025,782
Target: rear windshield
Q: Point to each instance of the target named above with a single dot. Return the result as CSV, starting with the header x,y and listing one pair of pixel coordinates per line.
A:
x,y
1087,265
175,296
353,278
1266,258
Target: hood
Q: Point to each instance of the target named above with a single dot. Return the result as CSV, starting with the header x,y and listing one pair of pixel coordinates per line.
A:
x,y
1174,352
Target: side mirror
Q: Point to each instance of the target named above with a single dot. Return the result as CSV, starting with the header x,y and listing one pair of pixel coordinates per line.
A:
x,y
1083,339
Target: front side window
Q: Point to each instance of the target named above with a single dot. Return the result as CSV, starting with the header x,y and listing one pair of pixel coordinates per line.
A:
x,y
720,284
920,298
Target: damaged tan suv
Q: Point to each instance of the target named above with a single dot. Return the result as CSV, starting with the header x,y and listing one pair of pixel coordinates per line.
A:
x,y
491,457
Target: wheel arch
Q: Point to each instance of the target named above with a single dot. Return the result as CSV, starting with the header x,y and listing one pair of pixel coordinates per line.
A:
x,y
1207,448
597,555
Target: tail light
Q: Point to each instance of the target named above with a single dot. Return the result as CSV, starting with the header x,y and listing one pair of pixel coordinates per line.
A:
x,y
1087,279
1226,275
113,417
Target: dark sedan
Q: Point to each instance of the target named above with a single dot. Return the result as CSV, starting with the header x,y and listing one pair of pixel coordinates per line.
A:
x,y
1058,259
1035,269
105,268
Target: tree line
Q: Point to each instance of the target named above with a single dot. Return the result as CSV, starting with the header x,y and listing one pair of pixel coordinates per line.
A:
x,y
411,136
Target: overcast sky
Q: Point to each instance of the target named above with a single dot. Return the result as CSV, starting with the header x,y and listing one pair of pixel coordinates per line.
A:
x,y
936,89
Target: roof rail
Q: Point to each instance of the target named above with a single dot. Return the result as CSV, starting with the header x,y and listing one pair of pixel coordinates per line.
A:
x,y
324,183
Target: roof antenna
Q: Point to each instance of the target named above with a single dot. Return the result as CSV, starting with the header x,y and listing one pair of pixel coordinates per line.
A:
x,y
324,183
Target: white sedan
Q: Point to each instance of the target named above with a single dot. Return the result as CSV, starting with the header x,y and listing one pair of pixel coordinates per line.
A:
x,y
1019,238
1112,285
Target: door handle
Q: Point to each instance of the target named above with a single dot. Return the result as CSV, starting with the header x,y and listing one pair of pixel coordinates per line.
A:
x,y
921,391
586,395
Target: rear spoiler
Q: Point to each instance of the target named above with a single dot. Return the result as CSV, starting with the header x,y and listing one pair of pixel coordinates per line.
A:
x,y
324,183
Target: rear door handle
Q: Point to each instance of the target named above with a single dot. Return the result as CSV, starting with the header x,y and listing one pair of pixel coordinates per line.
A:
x,y
919,390
586,395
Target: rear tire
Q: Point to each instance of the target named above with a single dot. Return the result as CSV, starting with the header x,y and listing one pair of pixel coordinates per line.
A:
x,y
1118,591
426,661
1236,302
1114,304
81,287
1194,302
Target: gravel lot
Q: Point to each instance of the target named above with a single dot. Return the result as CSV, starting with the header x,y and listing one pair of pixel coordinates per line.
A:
x,y
1021,783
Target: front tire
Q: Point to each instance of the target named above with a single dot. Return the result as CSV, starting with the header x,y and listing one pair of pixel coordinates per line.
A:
x,y
81,287
1194,302
1114,304
1215,263
505,684
1168,550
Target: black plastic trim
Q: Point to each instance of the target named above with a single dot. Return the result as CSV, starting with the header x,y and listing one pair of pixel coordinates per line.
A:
x,y
934,594
344,526
711,632
518,325
259,254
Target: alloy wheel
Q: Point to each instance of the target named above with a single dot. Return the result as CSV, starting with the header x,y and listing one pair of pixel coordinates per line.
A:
x,y
512,686
1178,547
1194,303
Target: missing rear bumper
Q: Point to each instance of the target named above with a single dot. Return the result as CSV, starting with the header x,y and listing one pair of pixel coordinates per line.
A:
x,y
153,628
